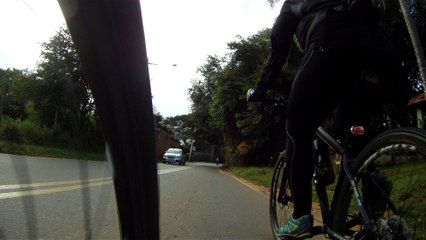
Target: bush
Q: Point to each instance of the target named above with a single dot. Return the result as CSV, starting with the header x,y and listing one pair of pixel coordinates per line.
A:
x,y
60,139
35,134
29,132
14,133
9,130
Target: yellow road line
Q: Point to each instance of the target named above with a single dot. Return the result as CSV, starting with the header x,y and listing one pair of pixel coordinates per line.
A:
x,y
74,185
52,190
48,184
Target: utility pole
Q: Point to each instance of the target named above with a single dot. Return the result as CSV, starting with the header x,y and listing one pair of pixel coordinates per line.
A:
x,y
191,147
211,156
190,150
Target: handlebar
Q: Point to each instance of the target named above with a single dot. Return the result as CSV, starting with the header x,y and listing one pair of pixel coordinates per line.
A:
x,y
281,101
253,95
275,105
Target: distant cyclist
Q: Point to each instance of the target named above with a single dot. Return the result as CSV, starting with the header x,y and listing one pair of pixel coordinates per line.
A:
x,y
342,51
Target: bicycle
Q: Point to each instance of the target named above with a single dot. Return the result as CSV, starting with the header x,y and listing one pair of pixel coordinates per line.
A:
x,y
379,194
124,102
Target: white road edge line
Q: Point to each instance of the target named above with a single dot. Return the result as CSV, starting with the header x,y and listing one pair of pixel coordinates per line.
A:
x,y
47,184
51,190
171,170
75,185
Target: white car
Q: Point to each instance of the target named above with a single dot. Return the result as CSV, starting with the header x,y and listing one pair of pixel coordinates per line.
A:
x,y
174,155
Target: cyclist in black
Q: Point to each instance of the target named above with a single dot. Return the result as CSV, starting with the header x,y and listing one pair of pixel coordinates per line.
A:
x,y
340,50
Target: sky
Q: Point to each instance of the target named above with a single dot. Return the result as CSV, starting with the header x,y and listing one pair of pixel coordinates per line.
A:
x,y
180,34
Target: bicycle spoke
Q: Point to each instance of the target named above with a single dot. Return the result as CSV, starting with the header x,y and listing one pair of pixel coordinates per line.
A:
x,y
392,180
281,201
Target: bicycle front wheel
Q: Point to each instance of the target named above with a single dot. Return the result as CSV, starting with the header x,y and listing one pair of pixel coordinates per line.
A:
x,y
391,175
280,200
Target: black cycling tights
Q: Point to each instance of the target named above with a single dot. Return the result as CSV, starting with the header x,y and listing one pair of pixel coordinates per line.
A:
x,y
323,81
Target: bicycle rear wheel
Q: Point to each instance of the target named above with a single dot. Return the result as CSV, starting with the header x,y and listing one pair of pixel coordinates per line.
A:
x,y
280,199
399,206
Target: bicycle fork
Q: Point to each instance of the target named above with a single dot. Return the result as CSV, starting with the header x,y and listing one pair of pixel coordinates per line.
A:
x,y
283,197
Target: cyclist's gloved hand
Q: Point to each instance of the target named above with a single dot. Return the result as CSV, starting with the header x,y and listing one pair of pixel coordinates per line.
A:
x,y
256,94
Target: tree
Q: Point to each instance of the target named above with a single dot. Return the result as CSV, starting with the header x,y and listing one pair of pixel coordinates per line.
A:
x,y
64,98
249,132
201,94
179,127
158,119
410,82
272,2
220,110
15,91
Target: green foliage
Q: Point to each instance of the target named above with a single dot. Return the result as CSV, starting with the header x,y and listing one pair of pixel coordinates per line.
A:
x,y
219,109
158,118
63,97
179,127
52,106
201,93
10,131
272,2
394,25
28,132
257,174
32,150
33,133
15,90
92,136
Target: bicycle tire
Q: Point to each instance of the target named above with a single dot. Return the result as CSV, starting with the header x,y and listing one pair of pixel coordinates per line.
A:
x,y
401,155
280,207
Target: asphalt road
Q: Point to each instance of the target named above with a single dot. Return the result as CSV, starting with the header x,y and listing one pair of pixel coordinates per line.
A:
x,y
215,206
44,198
198,202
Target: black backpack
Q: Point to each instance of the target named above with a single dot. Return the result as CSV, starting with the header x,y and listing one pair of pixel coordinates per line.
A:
x,y
365,10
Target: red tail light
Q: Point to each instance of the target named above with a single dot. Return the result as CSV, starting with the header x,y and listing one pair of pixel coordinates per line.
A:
x,y
357,130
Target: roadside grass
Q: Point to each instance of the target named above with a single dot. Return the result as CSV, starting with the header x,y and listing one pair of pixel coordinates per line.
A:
x,y
409,191
41,151
262,176
259,175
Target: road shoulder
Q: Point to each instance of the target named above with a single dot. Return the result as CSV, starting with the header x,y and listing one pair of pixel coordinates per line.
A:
x,y
316,211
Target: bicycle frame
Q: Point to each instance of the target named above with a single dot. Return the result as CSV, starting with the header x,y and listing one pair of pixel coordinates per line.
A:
x,y
345,170
320,188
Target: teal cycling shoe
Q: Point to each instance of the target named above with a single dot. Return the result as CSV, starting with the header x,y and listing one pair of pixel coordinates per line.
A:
x,y
297,228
